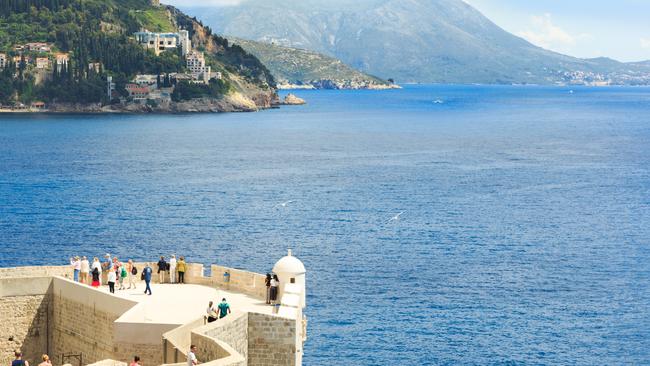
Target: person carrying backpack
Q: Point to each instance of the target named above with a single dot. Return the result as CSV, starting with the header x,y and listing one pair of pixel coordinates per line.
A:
x,y
123,274
162,267
132,272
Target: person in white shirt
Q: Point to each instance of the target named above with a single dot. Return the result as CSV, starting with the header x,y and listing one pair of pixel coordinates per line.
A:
x,y
191,356
172,269
212,312
76,266
129,267
85,270
112,277
98,265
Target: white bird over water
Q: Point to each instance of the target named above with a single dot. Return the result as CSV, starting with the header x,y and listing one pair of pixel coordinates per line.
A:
x,y
396,217
284,204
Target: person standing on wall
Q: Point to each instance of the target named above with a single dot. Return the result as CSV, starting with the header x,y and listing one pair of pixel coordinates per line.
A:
x,y
97,266
112,276
19,360
123,274
275,284
267,282
85,270
106,267
212,312
162,267
224,308
172,269
117,265
76,266
147,272
181,267
191,357
96,276
133,271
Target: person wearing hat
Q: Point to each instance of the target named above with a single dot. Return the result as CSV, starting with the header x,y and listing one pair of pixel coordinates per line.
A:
x,y
75,262
106,267
85,270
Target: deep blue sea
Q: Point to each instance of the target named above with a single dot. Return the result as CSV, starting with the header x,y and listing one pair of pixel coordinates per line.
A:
x,y
524,237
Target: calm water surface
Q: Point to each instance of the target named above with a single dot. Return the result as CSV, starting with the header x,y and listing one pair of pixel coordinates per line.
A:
x,y
524,239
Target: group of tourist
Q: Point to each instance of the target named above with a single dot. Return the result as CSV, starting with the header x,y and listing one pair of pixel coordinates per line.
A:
x,y
219,312
272,285
113,272
171,268
19,361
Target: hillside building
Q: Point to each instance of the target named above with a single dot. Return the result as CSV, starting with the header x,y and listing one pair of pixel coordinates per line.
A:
x,y
38,47
150,81
20,58
196,65
185,41
158,42
42,63
95,66
61,60
137,92
3,60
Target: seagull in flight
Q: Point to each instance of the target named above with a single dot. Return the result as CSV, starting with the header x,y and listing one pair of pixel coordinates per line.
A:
x,y
284,204
396,217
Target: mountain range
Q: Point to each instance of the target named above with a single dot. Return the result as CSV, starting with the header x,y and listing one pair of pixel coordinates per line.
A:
x,y
441,41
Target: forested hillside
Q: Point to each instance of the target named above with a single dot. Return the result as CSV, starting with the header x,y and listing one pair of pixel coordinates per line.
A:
x,y
63,50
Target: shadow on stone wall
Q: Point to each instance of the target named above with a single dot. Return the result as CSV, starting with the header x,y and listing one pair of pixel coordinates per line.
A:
x,y
38,338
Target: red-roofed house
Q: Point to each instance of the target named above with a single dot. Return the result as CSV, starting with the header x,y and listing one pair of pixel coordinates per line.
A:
x,y
137,92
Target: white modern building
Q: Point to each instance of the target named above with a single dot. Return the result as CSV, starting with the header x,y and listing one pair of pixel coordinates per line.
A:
x,y
159,42
196,65
185,41
3,60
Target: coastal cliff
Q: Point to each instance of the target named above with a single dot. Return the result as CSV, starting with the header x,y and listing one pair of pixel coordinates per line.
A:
x,y
122,56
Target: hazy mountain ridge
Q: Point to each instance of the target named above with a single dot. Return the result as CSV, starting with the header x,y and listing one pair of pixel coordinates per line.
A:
x,y
299,68
444,41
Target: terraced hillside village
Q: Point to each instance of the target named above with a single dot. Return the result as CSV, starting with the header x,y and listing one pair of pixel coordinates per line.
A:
x,y
122,56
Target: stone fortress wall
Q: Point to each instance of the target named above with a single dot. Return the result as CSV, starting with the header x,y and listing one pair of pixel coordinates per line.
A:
x,y
43,311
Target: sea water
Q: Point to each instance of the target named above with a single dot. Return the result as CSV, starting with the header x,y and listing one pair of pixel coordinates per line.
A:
x,y
524,236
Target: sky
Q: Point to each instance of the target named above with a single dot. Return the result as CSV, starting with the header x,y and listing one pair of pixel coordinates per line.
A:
x,y
619,29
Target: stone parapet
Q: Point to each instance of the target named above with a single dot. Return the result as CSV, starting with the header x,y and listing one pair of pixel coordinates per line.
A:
x,y
246,282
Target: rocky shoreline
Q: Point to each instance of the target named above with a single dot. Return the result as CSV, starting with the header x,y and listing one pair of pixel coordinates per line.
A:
x,y
235,102
336,85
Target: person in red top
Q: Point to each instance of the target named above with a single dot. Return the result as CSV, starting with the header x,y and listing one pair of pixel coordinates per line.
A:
x,y
136,361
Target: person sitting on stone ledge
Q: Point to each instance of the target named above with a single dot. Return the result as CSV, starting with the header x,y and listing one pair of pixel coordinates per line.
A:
x,y
19,359
212,312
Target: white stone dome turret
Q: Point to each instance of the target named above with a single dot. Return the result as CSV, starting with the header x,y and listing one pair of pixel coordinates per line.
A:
x,y
289,264
291,273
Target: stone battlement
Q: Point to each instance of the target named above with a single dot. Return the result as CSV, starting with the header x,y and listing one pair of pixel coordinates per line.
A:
x,y
43,311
